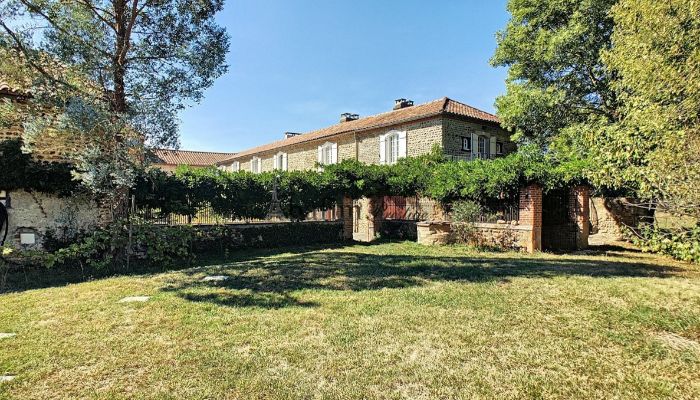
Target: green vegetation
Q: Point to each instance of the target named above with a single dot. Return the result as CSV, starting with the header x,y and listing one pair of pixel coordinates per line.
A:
x,y
386,321
246,195
22,171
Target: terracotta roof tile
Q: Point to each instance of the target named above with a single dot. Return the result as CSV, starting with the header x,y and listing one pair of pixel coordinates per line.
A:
x,y
187,157
442,106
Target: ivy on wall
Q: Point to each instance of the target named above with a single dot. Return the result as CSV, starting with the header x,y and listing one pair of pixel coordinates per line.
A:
x,y
20,171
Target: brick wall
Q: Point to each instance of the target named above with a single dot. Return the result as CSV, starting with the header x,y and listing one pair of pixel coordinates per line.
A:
x,y
531,215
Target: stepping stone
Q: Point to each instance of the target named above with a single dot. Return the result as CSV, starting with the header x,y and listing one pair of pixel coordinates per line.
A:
x,y
214,278
4,335
135,299
6,378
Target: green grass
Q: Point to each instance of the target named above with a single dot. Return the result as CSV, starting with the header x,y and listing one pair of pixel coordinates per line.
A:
x,y
391,321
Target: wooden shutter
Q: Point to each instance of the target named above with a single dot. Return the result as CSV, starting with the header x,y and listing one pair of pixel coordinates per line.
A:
x,y
382,149
334,153
320,154
475,145
492,147
402,144
285,165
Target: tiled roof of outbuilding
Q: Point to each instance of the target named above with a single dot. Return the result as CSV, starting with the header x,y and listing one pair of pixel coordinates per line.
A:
x,y
444,106
188,157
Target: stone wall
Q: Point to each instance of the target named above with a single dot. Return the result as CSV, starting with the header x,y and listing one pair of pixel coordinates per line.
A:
x,y
454,130
609,216
502,236
34,213
421,136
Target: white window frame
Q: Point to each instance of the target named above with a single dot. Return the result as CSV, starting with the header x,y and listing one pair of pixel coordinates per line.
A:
x,y
256,165
499,148
468,140
392,147
483,146
280,161
328,153
235,166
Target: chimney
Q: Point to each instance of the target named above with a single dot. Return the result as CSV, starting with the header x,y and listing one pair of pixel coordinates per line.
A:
x,y
288,135
402,103
347,117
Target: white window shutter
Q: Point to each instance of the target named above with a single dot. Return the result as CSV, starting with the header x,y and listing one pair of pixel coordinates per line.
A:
x,y
320,154
382,149
285,165
334,153
402,144
475,145
492,146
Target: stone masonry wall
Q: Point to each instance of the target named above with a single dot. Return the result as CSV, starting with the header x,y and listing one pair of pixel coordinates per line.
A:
x,y
455,130
37,212
611,215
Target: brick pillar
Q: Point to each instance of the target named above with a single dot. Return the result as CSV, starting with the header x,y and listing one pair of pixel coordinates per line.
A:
x,y
579,213
531,215
347,218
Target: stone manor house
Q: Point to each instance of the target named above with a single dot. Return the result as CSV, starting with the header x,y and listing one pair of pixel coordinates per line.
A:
x,y
463,132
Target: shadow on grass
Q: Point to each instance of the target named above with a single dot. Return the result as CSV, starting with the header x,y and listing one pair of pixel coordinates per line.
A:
x,y
270,282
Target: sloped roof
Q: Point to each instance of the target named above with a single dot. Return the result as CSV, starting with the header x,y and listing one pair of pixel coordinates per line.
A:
x,y
8,90
443,106
188,157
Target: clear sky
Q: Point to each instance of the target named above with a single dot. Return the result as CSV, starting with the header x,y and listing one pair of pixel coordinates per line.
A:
x,y
296,65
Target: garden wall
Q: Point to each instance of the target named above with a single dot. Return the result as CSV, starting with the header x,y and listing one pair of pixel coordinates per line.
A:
x,y
610,216
32,214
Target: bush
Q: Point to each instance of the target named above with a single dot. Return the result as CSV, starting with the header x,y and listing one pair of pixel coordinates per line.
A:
x,y
683,245
464,214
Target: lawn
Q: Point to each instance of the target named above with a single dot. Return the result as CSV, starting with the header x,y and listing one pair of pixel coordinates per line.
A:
x,y
394,320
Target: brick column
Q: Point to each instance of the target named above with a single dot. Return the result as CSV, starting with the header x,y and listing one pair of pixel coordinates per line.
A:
x,y
531,215
347,217
579,213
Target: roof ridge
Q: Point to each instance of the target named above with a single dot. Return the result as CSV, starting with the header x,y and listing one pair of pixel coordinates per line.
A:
x,y
195,151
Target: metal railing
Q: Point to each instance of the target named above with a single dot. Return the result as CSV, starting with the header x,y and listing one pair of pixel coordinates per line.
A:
x,y
471,157
207,216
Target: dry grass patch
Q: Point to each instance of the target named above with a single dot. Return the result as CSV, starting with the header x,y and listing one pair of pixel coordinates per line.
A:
x,y
386,321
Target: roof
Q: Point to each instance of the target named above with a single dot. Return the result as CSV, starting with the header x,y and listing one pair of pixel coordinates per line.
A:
x,y
443,106
188,157
6,89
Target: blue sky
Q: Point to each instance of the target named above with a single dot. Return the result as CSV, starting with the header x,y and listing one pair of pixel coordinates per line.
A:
x,y
296,65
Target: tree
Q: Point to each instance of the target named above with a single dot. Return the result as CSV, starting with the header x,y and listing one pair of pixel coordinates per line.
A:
x,y
656,142
118,70
556,79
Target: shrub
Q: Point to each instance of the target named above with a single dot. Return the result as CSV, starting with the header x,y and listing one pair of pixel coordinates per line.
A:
x,y
681,244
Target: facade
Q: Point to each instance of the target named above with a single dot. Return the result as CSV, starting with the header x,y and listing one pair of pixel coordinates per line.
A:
x,y
168,160
461,131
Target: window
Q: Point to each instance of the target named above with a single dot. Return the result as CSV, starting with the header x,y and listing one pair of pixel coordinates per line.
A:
x,y
483,147
236,166
255,165
466,144
392,146
280,161
328,153
499,148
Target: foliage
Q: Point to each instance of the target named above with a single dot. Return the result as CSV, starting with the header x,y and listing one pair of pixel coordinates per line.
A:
x,y
21,171
655,147
113,76
464,214
244,195
683,245
556,79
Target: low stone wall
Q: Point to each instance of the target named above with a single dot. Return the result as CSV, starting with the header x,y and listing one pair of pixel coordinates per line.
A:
x,y
505,236
32,214
610,215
